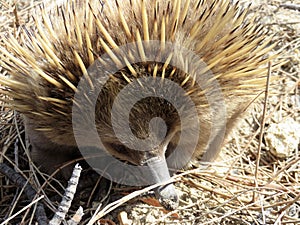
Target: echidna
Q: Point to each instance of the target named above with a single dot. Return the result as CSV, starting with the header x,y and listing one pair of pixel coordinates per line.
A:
x,y
207,48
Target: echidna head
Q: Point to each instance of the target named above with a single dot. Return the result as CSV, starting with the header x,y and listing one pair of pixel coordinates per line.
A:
x,y
142,119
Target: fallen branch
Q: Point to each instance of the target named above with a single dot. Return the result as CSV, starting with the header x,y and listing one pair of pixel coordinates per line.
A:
x,y
31,194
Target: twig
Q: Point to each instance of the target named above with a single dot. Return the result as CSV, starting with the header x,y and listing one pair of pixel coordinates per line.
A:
x,y
110,207
290,6
76,219
25,208
29,191
67,199
290,203
262,127
123,218
17,23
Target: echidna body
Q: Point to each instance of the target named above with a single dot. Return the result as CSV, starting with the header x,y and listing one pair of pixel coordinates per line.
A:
x,y
46,63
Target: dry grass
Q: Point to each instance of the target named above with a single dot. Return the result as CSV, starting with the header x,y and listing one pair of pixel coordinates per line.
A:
x,y
234,191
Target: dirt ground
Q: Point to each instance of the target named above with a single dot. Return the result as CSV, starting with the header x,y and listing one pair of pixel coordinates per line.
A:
x,y
234,190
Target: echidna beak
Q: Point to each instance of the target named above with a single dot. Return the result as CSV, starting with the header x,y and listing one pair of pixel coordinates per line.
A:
x,y
166,194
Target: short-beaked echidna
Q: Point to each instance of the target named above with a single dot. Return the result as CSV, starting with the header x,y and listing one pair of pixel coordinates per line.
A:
x,y
46,62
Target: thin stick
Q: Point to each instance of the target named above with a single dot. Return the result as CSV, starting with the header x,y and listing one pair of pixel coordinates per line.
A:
x,y
262,127
290,6
25,208
110,207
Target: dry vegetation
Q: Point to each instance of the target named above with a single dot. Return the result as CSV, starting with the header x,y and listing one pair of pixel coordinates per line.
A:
x,y
245,186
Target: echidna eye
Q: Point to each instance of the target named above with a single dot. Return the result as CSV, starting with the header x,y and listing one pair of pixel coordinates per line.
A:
x,y
119,148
